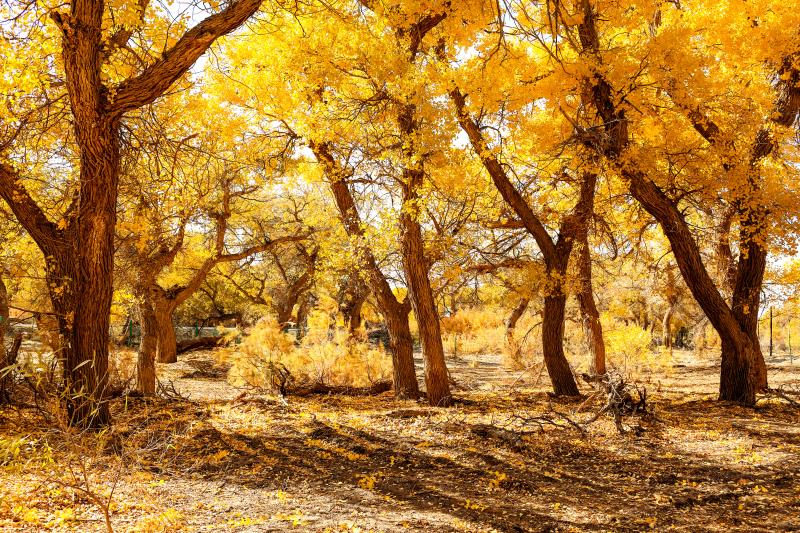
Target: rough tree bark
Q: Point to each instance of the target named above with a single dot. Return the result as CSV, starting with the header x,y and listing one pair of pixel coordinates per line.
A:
x,y
556,252
352,295
415,265
742,371
80,252
395,313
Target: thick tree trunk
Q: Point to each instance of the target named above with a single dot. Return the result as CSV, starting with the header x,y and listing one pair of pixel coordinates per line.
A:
x,y
80,256
553,346
85,325
590,316
159,342
743,370
737,377
415,265
747,301
167,341
401,344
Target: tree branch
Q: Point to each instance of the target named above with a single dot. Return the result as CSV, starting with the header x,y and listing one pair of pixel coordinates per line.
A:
x,y
30,215
145,88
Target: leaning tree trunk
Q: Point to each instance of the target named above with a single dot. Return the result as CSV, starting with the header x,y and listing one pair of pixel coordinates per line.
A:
x,y
511,326
590,316
737,377
553,346
556,254
395,314
415,265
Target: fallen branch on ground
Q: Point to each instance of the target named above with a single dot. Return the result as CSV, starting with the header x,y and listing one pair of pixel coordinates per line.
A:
x,y
200,343
787,393
622,398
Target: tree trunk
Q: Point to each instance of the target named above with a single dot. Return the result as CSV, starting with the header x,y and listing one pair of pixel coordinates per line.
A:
x,y
302,315
148,348
354,315
553,346
395,314
352,295
415,265
5,363
590,316
284,312
401,344
511,326
167,341
746,302
737,376
89,278
666,324
159,342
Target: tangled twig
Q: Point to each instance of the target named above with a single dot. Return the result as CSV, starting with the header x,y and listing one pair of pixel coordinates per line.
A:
x,y
622,398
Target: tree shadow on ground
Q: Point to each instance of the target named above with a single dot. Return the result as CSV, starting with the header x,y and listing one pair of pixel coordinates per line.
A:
x,y
412,459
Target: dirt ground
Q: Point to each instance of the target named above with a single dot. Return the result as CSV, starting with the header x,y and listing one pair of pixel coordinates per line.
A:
x,y
227,459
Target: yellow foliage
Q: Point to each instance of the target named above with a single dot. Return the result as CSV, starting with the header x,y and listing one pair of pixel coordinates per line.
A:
x,y
325,355
629,347
169,520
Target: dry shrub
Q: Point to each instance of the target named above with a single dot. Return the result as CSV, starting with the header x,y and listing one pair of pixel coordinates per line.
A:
x,y
326,355
474,331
